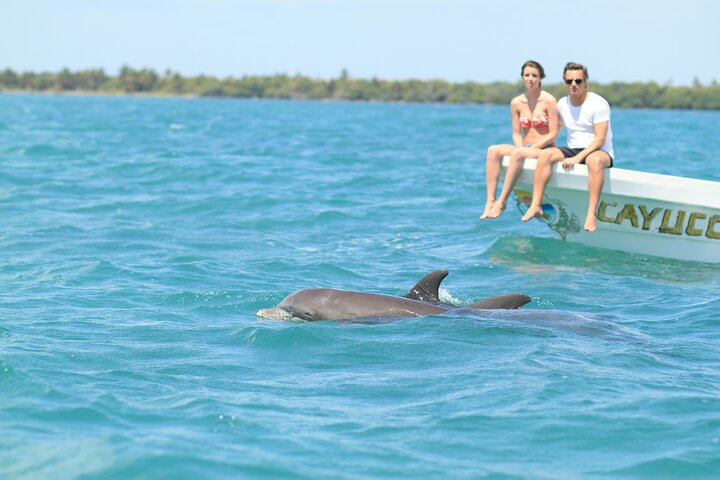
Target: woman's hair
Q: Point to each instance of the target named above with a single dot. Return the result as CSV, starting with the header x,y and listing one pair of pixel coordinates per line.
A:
x,y
533,64
576,66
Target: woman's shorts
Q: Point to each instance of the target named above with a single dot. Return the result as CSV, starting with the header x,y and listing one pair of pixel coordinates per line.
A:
x,y
543,148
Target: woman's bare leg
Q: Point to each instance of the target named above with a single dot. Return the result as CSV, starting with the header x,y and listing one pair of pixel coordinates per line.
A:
x,y
543,171
495,155
517,158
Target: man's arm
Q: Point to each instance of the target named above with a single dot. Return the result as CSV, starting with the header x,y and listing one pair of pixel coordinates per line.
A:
x,y
600,130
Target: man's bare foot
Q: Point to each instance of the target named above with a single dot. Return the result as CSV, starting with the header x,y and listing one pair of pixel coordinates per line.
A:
x,y
532,212
488,208
590,223
497,210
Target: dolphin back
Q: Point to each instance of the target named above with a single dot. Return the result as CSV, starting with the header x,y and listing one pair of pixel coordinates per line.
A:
x,y
313,304
506,301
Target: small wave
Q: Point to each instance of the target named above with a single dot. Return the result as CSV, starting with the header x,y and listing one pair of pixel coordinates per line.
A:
x,y
540,255
64,458
548,321
446,297
41,150
281,336
669,467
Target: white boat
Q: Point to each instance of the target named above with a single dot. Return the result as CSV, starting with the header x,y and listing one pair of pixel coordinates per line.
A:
x,y
646,213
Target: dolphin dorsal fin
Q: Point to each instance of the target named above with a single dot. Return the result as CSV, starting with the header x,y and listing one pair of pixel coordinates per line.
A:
x,y
426,290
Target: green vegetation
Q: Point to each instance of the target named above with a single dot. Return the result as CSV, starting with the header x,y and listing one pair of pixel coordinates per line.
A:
x,y
145,81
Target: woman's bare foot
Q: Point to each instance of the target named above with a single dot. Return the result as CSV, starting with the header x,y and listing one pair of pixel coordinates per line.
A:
x,y
497,210
488,208
590,223
532,212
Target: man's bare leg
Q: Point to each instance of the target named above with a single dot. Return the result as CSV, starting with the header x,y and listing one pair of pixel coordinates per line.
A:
x,y
596,162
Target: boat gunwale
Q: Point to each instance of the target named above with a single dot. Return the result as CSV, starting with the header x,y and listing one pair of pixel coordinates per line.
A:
x,y
631,184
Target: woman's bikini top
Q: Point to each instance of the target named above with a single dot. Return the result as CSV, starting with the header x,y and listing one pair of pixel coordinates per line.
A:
x,y
538,122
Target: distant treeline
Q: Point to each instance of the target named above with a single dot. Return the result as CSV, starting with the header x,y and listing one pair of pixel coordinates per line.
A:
x,y
146,81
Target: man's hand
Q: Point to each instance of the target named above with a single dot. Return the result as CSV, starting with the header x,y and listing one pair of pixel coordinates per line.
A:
x,y
568,163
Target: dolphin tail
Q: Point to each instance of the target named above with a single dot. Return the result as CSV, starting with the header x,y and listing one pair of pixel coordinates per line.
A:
x,y
426,290
505,302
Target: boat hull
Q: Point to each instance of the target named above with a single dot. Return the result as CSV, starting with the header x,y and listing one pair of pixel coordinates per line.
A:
x,y
650,214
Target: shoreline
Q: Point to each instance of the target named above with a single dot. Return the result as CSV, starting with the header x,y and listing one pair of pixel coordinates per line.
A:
x,y
191,96
148,83
95,93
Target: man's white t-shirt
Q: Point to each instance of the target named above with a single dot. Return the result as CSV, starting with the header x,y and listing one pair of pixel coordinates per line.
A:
x,y
579,121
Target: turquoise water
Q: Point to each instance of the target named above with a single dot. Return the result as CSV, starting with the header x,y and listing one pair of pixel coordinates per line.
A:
x,y
139,236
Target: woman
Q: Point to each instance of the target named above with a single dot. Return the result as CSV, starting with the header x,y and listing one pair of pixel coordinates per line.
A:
x,y
535,126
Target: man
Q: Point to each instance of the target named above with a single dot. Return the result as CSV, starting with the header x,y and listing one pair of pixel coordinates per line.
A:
x,y
586,117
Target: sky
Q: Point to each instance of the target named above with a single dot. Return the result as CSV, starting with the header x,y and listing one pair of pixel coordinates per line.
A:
x,y
666,41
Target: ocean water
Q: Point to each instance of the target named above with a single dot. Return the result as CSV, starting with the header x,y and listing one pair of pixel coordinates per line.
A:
x,y
139,236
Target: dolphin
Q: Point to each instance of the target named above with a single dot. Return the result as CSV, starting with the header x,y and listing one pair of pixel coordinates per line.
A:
x,y
314,304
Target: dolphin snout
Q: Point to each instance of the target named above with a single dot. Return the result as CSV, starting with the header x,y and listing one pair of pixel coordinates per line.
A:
x,y
274,314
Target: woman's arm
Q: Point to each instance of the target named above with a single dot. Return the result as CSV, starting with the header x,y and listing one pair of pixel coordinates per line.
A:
x,y
516,133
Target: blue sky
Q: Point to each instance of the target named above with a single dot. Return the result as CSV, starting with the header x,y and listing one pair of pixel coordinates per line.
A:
x,y
483,40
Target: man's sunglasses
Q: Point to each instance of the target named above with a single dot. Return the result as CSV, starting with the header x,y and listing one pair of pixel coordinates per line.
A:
x,y
577,81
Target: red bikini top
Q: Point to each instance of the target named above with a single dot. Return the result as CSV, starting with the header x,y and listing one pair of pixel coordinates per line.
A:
x,y
537,122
